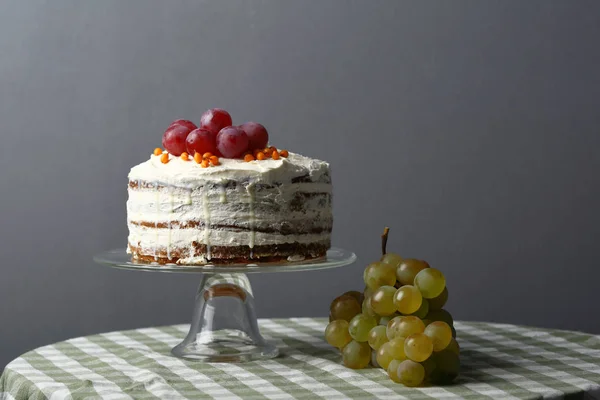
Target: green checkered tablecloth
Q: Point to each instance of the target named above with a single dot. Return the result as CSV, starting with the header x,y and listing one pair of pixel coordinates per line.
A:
x,y
498,361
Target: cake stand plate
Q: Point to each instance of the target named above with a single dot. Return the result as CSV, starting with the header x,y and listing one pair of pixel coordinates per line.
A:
x,y
224,326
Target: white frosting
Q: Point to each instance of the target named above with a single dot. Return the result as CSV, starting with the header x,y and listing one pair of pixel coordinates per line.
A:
x,y
179,205
182,191
165,238
189,173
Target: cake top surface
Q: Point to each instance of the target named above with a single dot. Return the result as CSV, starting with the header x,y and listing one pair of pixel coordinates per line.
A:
x,y
188,173
218,151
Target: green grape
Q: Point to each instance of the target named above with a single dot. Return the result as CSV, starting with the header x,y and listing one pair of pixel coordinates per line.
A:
x,y
356,294
392,370
367,292
404,326
438,302
378,274
391,327
440,334
382,300
454,347
418,347
396,348
430,282
367,309
360,326
377,337
447,367
391,259
423,310
337,334
392,350
407,299
382,357
440,315
408,269
429,366
344,307
356,355
411,373
374,359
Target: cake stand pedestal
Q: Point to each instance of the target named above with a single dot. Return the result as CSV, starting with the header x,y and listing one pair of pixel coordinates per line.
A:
x,y
224,326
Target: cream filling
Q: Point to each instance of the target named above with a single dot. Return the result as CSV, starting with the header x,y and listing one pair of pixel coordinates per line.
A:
x,y
315,217
186,205
166,208
164,238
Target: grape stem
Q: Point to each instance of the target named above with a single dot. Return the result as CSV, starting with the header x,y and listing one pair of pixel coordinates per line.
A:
x,y
384,239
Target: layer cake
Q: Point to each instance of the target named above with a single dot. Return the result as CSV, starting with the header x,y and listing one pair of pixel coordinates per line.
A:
x,y
240,210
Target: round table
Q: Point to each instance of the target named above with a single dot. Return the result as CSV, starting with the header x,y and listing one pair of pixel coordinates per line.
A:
x,y
497,361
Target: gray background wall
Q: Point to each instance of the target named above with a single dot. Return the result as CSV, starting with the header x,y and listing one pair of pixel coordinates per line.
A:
x,y
470,128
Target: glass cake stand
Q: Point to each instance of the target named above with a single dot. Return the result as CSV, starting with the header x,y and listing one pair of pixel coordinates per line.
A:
x,y
224,326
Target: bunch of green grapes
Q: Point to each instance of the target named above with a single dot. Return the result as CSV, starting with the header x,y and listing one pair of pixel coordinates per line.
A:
x,y
397,323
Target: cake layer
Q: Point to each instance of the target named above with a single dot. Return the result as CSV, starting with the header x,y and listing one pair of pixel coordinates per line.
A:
x,y
234,254
280,228
168,238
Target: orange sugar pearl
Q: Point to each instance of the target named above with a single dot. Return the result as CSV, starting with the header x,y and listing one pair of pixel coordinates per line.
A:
x,y
207,155
204,164
158,151
164,158
268,152
275,155
214,160
260,156
248,157
284,153
185,156
256,151
273,148
198,158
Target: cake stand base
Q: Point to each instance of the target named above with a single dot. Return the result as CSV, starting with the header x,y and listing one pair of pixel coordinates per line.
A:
x,y
224,326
